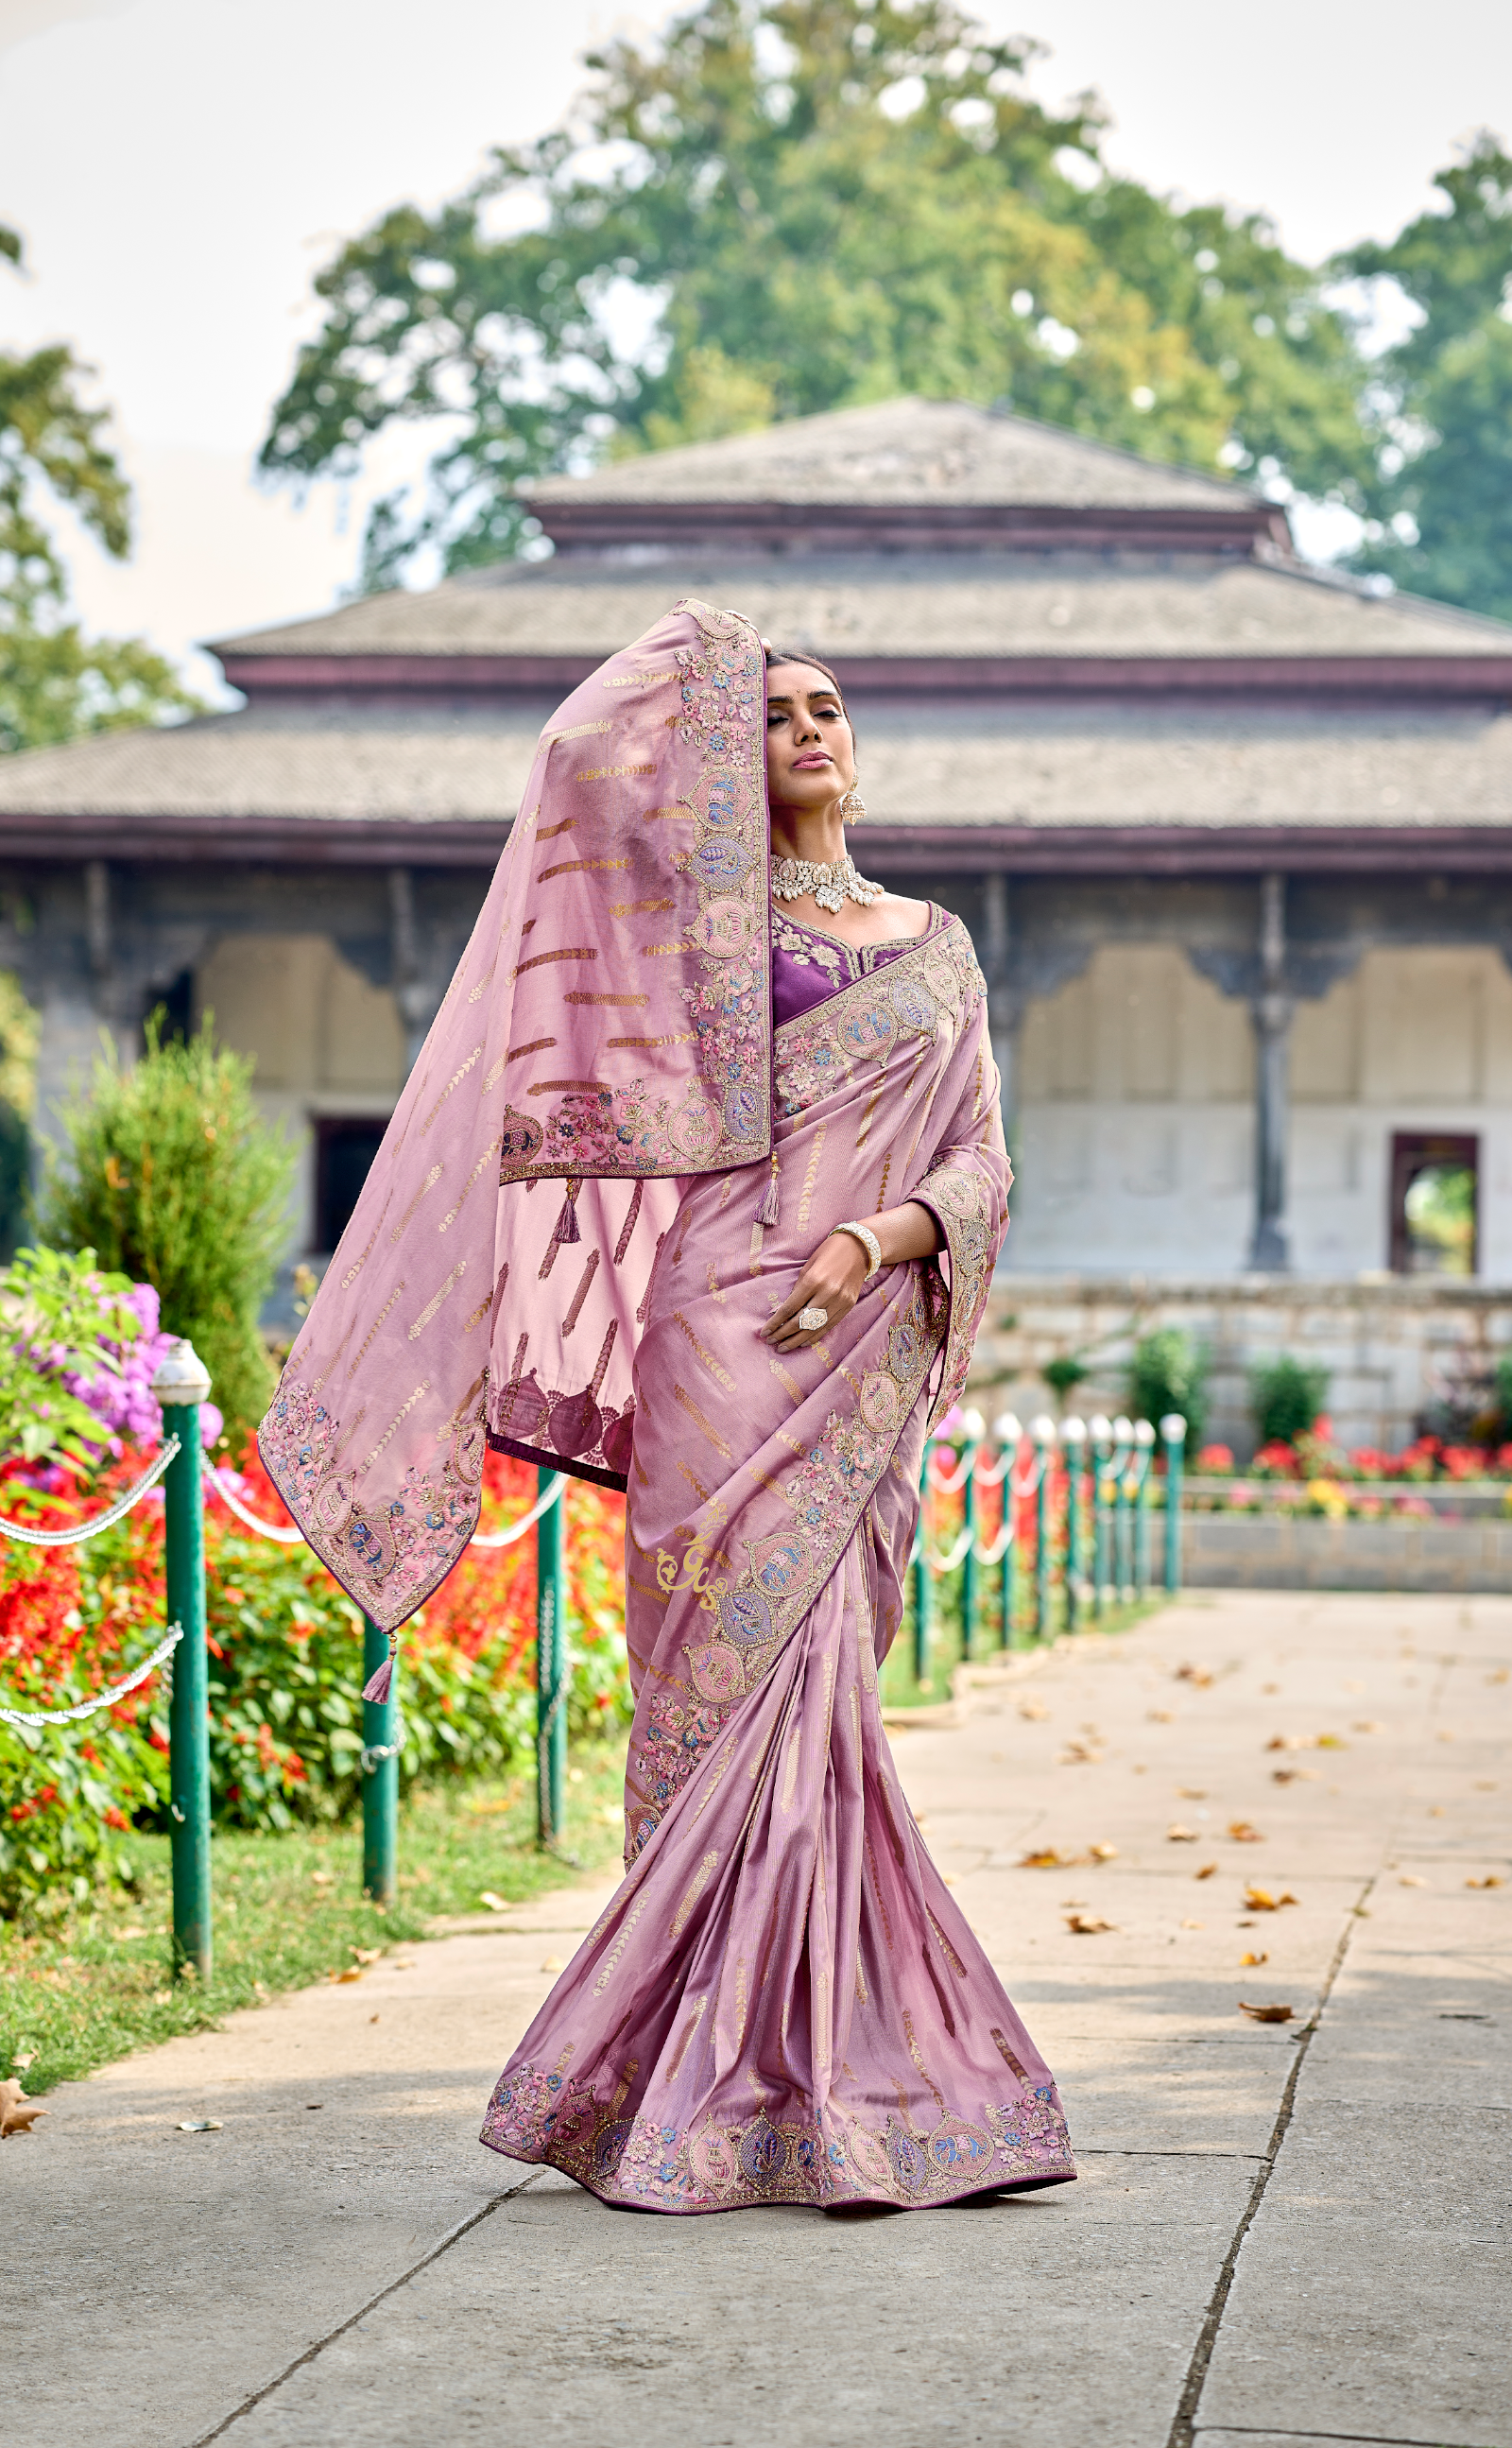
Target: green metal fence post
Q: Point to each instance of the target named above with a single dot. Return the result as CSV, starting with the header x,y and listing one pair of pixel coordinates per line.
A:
x,y
1173,1435
380,1778
1073,1438
1043,1431
1144,1440
1009,1436
180,1385
1122,1511
1099,1433
923,1595
551,1667
973,1428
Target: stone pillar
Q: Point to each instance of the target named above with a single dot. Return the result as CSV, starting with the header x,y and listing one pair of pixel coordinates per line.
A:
x,y
1004,1006
416,994
1270,1253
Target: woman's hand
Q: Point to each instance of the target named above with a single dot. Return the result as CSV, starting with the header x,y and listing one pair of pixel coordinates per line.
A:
x,y
835,1274
830,1281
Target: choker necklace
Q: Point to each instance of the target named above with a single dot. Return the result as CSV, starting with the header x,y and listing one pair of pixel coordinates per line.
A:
x,y
832,887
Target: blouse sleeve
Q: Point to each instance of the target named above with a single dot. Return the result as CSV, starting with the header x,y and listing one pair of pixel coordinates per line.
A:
x,y
967,1191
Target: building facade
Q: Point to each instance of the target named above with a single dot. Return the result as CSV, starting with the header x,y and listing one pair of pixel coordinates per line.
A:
x,y
1232,836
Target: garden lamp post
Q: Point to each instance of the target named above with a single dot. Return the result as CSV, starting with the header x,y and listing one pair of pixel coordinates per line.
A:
x,y
1009,1435
1073,1439
973,1428
1042,1432
1173,1435
180,1385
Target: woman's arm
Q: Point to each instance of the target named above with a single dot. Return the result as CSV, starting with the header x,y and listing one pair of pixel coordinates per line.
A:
x,y
833,1278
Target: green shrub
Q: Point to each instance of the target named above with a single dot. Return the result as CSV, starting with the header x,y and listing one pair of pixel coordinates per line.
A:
x,y
1169,1372
1286,1397
174,1177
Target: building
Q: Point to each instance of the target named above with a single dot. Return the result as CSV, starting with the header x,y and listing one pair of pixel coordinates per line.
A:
x,y
1234,837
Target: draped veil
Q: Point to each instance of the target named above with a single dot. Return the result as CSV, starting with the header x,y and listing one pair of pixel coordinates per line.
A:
x,y
607,1036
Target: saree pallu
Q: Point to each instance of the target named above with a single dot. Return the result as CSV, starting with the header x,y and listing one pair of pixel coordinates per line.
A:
x,y
782,2002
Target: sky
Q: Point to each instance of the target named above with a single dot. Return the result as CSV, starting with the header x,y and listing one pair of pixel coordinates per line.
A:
x,y
180,169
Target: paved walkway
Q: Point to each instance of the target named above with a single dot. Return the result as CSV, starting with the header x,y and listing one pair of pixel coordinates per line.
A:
x,y
1283,2231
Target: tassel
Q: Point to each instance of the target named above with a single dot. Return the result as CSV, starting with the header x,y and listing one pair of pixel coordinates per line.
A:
x,y
769,1214
380,1684
567,1221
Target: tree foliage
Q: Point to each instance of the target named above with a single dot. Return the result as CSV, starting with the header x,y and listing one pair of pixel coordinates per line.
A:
x,y
1442,400
810,205
54,682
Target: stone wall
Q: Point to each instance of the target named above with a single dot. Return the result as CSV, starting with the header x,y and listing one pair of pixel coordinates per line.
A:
x,y
1386,1344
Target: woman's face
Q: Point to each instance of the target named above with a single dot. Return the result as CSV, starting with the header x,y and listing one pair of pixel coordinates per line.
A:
x,y
810,754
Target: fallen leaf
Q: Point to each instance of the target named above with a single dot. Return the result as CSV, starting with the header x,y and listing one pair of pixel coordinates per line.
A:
x,y
947,1877
1208,1871
1047,1858
372,2019
314,2104
1194,1925
1086,1925
1270,1689
163,1996
1367,1726
1104,1852
1501,1675
1284,1743
1492,1882
199,2125
1253,1959
1269,2014
1437,1812
1193,1793
1244,1833
1033,1708
1284,1775
1177,1834
1078,1754
353,1972
131,1933
367,1954
1261,1899
495,1903
24,2058
1486,1784
1411,1879
1331,1743
552,1963
1197,1675
17,2113
408,1965
1443,1736
261,1989
1161,1717
322,1878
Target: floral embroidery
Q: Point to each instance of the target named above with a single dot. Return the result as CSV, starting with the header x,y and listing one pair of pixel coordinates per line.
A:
x,y
974,1227
536,2115
388,1556
938,984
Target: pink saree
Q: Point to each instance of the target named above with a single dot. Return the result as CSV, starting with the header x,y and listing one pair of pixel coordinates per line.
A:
x,y
782,2003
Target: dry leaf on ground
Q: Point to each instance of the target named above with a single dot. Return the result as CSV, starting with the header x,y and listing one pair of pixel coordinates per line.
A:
x,y
199,2125
17,2113
1244,1833
1194,1925
1208,1871
1269,2014
1330,1743
1197,1675
367,1954
1261,1899
1252,1958
23,2058
1193,1793
1177,1834
1078,1754
322,1878
1033,1708
353,1972
1045,1858
1492,1882
1104,1852
1086,1925
1367,1726
495,1903
1161,1717
1411,1879
552,1963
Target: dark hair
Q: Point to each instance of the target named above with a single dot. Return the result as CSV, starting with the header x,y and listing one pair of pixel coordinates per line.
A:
x,y
800,655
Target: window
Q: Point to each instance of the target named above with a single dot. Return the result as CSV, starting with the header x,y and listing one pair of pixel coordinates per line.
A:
x,y
345,1147
1435,1203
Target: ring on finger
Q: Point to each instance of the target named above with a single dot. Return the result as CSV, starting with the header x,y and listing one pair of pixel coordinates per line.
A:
x,y
811,1321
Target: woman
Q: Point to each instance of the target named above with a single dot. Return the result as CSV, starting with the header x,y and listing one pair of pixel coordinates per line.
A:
x,y
781,2002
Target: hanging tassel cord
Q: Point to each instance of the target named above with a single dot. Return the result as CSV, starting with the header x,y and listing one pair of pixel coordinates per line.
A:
x,y
770,1212
380,1684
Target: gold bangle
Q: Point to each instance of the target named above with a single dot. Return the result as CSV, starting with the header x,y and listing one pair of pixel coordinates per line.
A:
x,y
870,1243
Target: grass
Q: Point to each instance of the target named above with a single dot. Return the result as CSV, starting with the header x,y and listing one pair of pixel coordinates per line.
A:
x,y
92,1982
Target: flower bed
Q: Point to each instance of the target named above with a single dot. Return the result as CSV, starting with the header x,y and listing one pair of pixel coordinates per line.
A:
x,y
1314,1476
285,1665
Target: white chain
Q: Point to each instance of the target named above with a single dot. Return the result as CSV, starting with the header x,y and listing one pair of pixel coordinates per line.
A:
x,y
92,1529
105,1699
518,1529
286,1535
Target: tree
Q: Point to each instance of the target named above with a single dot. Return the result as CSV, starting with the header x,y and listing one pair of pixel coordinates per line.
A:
x,y
54,682
807,204
1440,503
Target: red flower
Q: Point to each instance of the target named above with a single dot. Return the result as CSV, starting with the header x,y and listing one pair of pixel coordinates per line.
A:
x,y
114,1818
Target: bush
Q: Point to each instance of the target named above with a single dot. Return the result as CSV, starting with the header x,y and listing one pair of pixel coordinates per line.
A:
x,y
71,1347
1286,1397
173,1177
1169,1372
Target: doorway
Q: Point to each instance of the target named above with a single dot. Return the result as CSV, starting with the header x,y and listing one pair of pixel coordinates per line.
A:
x,y
1435,1217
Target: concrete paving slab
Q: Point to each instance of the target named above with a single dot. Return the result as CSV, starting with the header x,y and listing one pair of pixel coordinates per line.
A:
x,y
191,2271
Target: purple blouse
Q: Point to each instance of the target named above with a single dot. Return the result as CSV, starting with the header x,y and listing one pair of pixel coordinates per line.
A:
x,y
807,967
